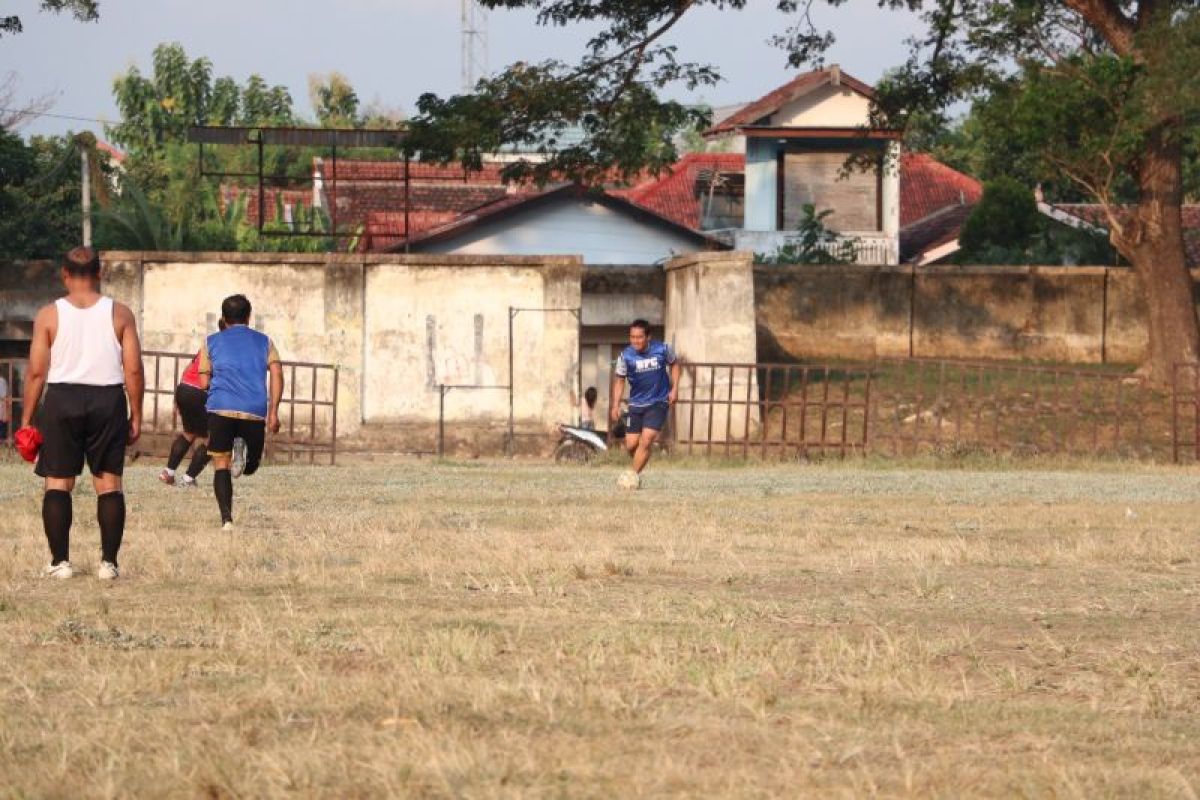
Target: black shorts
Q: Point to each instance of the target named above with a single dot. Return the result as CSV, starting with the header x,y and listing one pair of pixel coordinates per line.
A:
x,y
653,417
192,413
223,430
81,423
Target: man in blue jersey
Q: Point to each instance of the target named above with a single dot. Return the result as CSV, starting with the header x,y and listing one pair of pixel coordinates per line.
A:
x,y
234,365
653,374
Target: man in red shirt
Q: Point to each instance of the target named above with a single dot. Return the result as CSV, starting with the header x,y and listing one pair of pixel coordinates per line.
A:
x,y
190,399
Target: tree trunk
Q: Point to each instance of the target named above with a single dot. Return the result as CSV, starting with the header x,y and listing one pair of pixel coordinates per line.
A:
x,y
1153,242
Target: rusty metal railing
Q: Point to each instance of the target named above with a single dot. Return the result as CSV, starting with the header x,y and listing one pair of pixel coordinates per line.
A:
x,y
925,404
12,372
900,407
1185,413
307,412
782,410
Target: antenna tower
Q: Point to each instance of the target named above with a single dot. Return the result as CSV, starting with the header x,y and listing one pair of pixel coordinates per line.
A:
x,y
474,44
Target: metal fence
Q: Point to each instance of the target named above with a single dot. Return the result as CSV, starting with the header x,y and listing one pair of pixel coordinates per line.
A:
x,y
307,412
913,406
785,410
1185,413
927,405
11,372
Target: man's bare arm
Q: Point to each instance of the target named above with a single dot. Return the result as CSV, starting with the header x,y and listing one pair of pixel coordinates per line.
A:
x,y
616,391
676,371
39,364
131,363
276,371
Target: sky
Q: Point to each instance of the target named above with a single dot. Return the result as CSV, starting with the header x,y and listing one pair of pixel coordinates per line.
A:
x,y
392,50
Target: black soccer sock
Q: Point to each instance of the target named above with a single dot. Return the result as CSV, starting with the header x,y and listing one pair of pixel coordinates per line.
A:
x,y
200,459
179,449
110,513
56,519
223,489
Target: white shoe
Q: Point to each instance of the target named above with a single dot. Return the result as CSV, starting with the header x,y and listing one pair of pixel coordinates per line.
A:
x,y
228,526
237,464
60,571
187,482
108,571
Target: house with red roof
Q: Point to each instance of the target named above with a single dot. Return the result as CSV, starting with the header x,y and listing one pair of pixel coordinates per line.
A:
x,y
706,191
797,141
788,150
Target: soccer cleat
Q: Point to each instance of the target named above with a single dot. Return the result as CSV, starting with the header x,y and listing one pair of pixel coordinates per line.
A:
x,y
188,482
227,526
167,477
237,463
108,571
60,571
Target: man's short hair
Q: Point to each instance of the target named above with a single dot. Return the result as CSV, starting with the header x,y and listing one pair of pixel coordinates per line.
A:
x,y
235,309
590,395
82,262
640,323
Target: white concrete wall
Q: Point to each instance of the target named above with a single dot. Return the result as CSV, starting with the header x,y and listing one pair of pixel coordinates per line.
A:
x,y
570,226
708,322
825,107
395,325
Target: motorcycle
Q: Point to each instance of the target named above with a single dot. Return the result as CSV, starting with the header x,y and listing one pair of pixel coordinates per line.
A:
x,y
578,445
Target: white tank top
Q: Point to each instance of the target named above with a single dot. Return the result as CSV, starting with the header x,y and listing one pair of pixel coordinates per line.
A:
x,y
85,348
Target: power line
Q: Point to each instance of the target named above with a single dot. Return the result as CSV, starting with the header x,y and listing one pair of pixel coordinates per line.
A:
x,y
28,113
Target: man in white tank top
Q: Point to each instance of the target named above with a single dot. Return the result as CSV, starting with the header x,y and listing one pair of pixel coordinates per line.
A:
x,y
85,353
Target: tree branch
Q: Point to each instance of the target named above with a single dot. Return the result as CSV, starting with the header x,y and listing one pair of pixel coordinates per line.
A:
x,y
638,47
1108,19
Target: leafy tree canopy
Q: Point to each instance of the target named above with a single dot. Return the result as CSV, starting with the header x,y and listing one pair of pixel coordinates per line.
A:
x,y
82,10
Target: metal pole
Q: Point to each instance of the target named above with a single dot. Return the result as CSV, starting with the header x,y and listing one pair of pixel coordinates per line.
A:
x,y
333,443
261,191
579,366
441,447
85,181
509,445
407,202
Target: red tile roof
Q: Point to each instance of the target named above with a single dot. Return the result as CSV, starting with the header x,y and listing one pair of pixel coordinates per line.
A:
x,y
673,194
927,186
774,100
113,153
418,171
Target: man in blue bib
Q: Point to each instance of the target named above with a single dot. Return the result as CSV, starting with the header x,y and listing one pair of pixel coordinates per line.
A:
x,y
653,374
234,365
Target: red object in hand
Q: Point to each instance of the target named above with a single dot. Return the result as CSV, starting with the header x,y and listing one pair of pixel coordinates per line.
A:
x,y
28,442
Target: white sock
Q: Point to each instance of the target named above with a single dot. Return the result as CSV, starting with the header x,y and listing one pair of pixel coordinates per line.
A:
x,y
188,479
169,471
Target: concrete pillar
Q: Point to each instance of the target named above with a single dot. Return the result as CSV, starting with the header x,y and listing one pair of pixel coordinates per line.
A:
x,y
891,201
345,302
710,319
562,282
122,277
762,188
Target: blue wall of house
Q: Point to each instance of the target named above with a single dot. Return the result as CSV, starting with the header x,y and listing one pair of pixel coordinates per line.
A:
x,y
761,184
570,226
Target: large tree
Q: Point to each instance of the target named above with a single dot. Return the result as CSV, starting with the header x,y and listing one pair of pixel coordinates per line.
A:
x,y
82,10
1104,89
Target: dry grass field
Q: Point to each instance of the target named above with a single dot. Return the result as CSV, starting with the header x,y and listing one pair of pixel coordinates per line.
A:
x,y
498,630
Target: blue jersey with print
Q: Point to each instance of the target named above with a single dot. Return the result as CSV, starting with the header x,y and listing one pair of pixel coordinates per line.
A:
x,y
648,372
238,357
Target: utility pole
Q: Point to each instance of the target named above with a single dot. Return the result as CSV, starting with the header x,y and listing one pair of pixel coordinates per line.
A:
x,y
474,44
85,183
